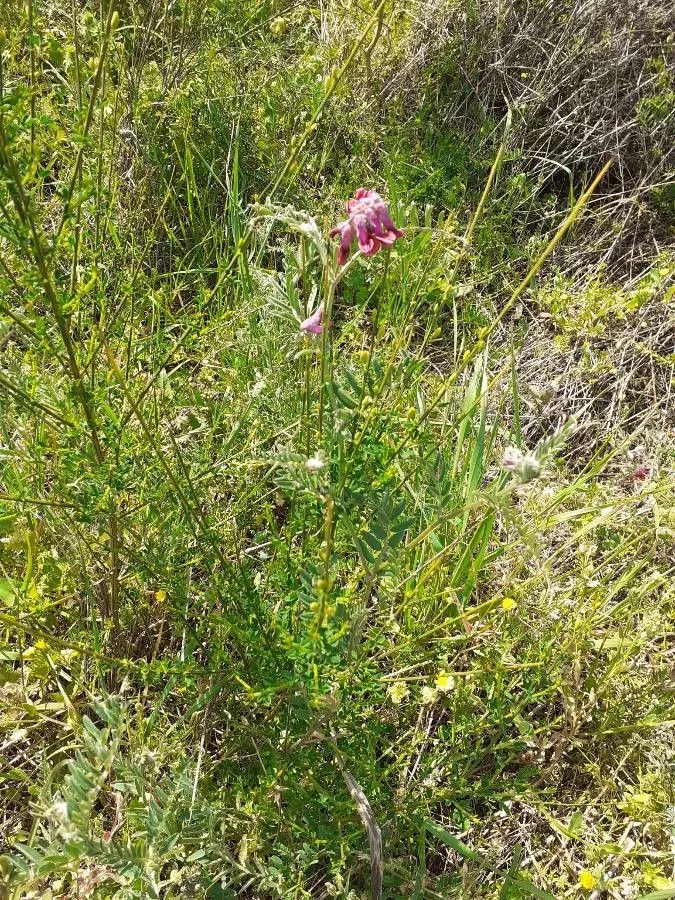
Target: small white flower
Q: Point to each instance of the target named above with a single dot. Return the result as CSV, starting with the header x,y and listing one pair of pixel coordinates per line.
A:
x,y
526,467
61,816
445,682
315,463
59,810
529,469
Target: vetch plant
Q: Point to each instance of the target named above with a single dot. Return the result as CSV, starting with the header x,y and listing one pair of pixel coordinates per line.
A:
x,y
317,276
291,547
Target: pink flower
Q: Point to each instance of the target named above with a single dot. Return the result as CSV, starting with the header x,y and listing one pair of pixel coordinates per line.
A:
x,y
367,220
641,473
312,324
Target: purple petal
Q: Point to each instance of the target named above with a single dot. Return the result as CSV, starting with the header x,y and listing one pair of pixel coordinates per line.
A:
x,y
312,324
387,238
363,233
369,221
385,218
345,243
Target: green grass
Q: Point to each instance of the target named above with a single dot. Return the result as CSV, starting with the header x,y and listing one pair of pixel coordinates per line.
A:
x,y
276,622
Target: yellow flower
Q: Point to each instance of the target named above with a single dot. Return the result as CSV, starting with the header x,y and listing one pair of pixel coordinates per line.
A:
x,y
587,880
445,682
508,604
41,644
160,596
398,691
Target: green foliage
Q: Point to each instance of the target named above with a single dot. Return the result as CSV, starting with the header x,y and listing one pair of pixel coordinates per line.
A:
x,y
269,602
656,108
151,834
591,308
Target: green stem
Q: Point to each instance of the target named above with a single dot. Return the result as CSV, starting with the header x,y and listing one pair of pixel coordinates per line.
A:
x,y
329,285
270,189
87,125
22,206
76,47
307,402
31,51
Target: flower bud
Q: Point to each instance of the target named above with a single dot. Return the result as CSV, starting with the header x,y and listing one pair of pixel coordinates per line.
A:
x,y
529,469
512,459
526,466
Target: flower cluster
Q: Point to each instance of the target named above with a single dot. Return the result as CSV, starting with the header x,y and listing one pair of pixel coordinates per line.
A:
x,y
641,474
369,221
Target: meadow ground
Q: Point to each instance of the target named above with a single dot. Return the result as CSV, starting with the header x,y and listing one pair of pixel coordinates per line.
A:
x,y
337,565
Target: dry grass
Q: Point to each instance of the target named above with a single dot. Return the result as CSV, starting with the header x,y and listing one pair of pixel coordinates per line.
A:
x,y
585,80
613,383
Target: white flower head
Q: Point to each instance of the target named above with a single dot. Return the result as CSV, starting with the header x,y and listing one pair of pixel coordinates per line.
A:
x,y
526,467
398,691
315,463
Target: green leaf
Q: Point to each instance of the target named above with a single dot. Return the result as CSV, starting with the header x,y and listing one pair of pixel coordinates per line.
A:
x,y
7,521
506,893
7,591
364,551
373,542
344,397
